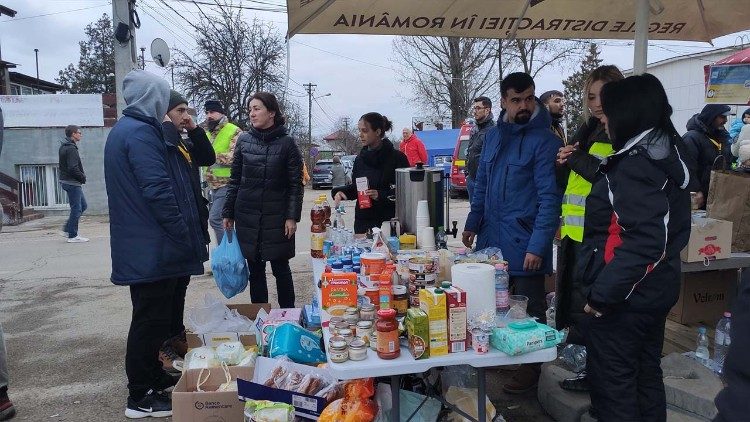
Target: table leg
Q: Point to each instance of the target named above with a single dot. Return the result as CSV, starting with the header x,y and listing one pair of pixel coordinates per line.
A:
x,y
482,399
395,398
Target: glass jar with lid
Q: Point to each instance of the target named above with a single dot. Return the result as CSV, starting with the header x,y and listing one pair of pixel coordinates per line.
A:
x,y
338,350
357,350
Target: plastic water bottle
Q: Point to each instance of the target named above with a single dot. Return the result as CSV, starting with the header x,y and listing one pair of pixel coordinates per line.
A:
x,y
574,357
441,240
701,350
501,290
722,340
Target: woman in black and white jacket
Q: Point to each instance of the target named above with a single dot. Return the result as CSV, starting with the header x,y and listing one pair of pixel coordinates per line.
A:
x,y
642,204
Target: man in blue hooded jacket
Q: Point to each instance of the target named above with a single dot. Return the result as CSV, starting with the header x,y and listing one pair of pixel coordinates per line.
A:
x,y
516,203
156,238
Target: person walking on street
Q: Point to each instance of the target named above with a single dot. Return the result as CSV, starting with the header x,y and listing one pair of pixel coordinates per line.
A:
x,y
223,136
197,152
706,142
516,203
338,173
156,239
482,112
377,162
7,411
72,179
264,198
413,148
642,210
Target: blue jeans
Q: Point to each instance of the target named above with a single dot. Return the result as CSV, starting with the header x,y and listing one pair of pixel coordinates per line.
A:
x,y
218,199
77,207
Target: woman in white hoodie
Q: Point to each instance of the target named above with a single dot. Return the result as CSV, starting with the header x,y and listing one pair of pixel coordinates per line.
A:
x,y
741,148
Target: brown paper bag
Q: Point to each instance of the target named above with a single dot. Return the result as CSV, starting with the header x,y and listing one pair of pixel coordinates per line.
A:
x,y
729,199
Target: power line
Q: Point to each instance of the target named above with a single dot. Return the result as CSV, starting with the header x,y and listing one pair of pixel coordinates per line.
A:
x,y
277,9
324,111
343,56
53,13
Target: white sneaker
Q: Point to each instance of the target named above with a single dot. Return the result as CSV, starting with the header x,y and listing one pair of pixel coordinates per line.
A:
x,y
63,234
78,239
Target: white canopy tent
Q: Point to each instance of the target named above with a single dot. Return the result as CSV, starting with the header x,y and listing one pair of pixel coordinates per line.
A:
x,y
687,20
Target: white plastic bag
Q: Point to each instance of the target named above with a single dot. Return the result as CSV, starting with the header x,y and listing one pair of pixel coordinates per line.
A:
x,y
201,357
230,352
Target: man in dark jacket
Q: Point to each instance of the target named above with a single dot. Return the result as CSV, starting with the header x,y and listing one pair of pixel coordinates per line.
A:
x,y
72,178
516,202
705,141
482,112
197,152
156,239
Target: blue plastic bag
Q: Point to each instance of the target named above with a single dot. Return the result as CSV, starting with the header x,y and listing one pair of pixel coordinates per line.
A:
x,y
229,266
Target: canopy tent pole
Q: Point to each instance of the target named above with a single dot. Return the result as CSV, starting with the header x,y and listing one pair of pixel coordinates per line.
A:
x,y
640,53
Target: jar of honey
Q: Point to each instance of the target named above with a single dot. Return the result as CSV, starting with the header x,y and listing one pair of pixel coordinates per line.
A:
x,y
387,329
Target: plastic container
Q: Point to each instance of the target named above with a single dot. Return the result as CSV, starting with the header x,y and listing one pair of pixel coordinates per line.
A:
x,y
317,230
387,329
338,350
386,292
502,304
357,350
518,305
400,300
722,340
701,349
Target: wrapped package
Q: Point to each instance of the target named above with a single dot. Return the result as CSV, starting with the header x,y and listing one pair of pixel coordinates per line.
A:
x,y
524,337
357,404
268,411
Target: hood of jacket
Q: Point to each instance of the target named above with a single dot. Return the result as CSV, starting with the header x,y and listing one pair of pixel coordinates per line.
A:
x,y
146,95
698,124
538,120
663,152
67,142
268,135
375,158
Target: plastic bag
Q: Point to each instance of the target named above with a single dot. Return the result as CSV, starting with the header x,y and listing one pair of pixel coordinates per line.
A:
x,y
268,411
230,352
524,337
284,377
201,357
574,357
214,316
467,400
229,266
355,406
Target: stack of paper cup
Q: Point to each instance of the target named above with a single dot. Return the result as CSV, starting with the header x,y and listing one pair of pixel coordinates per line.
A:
x,y
422,221
426,239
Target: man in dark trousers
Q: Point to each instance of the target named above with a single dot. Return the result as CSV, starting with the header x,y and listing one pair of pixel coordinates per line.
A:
x,y
705,141
482,112
72,179
156,239
516,202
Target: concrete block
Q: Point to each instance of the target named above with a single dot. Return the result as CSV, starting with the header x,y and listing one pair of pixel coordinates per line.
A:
x,y
690,386
561,405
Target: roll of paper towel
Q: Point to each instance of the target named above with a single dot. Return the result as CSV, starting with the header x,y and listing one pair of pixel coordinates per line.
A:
x,y
478,281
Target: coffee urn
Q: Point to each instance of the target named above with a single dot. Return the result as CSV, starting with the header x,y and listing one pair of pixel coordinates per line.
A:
x,y
415,184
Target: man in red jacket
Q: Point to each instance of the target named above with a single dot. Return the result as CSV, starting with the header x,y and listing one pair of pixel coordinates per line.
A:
x,y
413,148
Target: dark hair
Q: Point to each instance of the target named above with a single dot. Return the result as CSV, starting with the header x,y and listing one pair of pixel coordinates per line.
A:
x,y
484,100
272,104
377,121
549,94
70,130
517,81
635,104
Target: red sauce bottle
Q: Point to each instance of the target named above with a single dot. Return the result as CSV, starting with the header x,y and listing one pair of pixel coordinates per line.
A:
x,y
387,328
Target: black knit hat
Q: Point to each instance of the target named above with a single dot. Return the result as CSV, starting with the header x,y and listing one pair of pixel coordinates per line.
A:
x,y
215,105
175,99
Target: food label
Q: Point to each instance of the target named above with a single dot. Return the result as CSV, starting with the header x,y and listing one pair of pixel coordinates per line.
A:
x,y
316,241
388,341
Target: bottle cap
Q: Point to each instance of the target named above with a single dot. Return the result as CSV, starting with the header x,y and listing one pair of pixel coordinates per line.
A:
x,y
446,284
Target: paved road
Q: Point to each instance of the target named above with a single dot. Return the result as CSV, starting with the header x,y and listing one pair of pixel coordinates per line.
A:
x,y
66,324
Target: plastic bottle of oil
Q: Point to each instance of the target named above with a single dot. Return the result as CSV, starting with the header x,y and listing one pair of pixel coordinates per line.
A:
x,y
317,230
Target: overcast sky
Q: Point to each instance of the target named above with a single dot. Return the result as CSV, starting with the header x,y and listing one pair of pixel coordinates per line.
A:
x,y
356,70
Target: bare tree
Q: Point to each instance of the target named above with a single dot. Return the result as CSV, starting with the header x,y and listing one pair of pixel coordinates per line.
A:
x,y
233,59
347,139
446,73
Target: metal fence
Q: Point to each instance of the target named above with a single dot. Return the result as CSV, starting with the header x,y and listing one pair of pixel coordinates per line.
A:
x,y
40,186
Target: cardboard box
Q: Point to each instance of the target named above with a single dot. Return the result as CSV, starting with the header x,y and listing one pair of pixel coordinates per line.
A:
x,y
338,291
290,315
247,339
709,239
418,332
457,328
189,405
704,296
305,406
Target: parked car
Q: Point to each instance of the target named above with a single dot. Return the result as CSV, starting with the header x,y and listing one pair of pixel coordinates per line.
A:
x,y
322,176
458,178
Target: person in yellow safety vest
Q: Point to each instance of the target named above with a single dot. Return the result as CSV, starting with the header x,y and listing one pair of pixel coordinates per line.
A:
x,y
223,136
581,157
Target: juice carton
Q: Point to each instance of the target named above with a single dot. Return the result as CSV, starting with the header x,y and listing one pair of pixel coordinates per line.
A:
x,y
338,292
432,301
418,331
456,303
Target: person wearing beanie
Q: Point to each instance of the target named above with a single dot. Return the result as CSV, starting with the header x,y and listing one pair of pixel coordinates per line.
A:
x,y
705,141
737,124
189,154
223,136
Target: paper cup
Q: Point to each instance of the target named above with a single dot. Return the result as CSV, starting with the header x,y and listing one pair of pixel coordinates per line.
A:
x,y
480,341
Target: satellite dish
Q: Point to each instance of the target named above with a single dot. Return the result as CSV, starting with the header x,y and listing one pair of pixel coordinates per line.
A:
x,y
160,52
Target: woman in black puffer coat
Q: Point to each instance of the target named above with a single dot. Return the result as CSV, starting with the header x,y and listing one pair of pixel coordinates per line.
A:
x,y
377,161
264,199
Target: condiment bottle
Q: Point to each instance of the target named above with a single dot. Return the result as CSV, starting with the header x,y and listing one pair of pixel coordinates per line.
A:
x,y
387,328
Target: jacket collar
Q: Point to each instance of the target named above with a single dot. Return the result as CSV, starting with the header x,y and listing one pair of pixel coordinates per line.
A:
x,y
633,142
145,119
268,135
537,120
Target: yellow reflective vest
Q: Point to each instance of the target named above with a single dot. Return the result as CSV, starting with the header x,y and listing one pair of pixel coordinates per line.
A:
x,y
221,145
574,199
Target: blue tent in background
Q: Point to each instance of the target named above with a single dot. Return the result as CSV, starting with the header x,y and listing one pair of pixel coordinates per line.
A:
x,y
439,143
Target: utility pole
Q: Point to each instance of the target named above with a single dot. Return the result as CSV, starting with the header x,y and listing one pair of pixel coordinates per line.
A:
x,y
143,58
125,52
36,57
171,68
347,135
310,87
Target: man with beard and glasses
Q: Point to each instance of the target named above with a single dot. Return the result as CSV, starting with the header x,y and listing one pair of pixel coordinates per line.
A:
x,y
223,136
516,202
